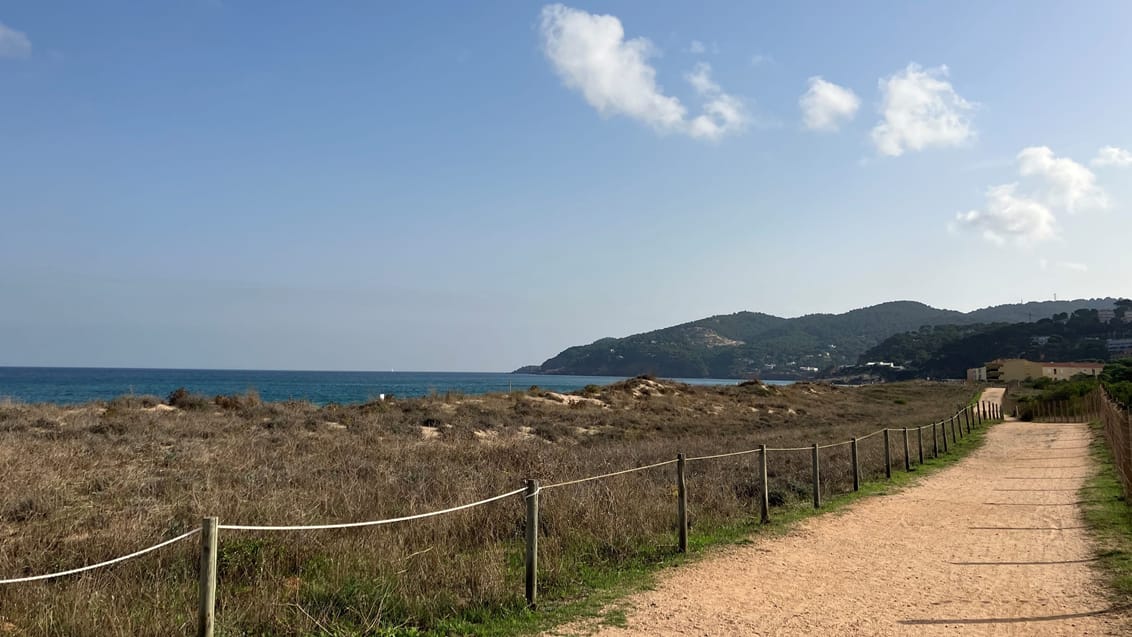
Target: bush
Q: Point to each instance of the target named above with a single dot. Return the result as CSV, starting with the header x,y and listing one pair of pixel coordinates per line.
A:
x,y
182,398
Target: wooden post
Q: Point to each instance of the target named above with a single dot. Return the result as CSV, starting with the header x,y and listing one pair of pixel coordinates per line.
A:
x,y
978,416
887,456
532,543
206,600
764,503
817,479
967,418
935,442
856,464
920,443
907,452
943,432
954,438
681,504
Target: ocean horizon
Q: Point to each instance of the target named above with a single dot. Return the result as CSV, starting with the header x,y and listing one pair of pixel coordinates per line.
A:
x,y
74,385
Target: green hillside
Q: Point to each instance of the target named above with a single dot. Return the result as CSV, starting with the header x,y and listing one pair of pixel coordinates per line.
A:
x,y
749,344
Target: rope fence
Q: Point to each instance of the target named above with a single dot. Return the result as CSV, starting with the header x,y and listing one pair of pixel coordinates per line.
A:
x,y
966,418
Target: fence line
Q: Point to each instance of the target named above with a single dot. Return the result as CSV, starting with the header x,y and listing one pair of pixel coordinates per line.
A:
x,y
983,412
608,475
91,567
354,525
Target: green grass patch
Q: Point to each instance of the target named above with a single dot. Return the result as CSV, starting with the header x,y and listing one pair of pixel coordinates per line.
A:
x,y
1109,519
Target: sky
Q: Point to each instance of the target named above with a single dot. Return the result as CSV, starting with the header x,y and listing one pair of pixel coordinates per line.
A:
x,y
476,186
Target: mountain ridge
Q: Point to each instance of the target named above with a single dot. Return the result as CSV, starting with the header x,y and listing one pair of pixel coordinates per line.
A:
x,y
749,344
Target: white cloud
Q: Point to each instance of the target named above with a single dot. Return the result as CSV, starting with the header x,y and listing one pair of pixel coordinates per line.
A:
x,y
921,110
697,47
1007,215
1112,156
1051,185
1075,267
13,44
591,55
759,59
1063,183
825,106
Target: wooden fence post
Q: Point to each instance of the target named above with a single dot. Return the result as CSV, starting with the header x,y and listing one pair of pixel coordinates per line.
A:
x,y
920,443
967,418
907,452
935,442
206,600
978,416
817,479
532,543
943,432
887,456
954,438
681,504
764,501
856,464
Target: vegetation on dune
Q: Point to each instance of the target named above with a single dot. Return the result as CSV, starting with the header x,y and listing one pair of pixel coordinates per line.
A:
x,y
84,484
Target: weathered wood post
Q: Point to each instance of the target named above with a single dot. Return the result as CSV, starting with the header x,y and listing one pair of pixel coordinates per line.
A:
x,y
887,456
206,600
943,434
935,442
967,418
954,438
856,464
681,504
817,479
907,452
978,416
920,443
764,501
532,543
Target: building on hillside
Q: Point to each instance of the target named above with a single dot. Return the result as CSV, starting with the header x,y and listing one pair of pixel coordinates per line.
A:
x,y
1065,371
977,374
1006,370
1119,347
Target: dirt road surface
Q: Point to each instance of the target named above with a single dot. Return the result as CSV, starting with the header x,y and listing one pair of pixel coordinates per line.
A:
x,y
994,545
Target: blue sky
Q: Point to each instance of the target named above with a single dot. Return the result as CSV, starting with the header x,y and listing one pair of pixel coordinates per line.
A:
x,y
475,186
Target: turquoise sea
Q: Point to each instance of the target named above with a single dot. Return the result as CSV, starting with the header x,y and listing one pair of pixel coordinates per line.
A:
x,y
70,385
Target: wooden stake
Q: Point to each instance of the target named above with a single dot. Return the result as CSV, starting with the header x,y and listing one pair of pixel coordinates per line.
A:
x,y
887,457
856,464
532,543
681,505
206,600
764,502
817,479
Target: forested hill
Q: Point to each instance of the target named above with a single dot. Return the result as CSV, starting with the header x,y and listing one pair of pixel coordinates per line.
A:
x,y
749,344
947,351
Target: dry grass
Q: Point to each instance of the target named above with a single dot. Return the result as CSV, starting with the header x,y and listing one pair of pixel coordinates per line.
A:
x,y
90,483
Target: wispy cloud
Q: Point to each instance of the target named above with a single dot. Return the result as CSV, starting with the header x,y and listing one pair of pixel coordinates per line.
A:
x,y
697,47
921,110
759,59
591,55
13,43
1112,156
1026,211
826,106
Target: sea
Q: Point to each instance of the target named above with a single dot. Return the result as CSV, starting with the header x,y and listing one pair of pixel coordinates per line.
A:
x,y
73,385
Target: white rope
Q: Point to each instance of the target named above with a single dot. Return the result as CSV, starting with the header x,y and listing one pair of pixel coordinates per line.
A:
x,y
607,475
867,436
789,448
835,444
350,525
722,455
91,567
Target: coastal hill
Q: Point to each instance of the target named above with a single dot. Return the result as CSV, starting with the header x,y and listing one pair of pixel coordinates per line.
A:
x,y
747,344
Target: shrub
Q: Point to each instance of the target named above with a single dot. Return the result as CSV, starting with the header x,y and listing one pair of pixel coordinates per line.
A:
x,y
182,398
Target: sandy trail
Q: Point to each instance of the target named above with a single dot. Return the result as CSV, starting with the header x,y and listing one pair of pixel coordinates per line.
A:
x,y
993,545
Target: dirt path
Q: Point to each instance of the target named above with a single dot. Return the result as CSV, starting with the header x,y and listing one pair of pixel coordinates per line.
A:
x,y
994,545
